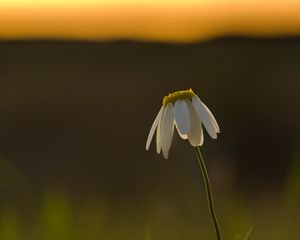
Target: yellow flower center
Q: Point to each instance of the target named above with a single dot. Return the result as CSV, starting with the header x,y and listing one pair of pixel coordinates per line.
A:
x,y
173,97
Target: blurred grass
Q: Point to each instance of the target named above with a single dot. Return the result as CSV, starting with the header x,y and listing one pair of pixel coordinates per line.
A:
x,y
9,224
57,216
60,217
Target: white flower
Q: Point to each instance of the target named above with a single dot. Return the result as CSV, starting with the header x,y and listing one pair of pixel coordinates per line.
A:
x,y
187,112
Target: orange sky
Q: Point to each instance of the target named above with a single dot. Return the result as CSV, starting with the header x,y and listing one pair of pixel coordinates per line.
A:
x,y
163,20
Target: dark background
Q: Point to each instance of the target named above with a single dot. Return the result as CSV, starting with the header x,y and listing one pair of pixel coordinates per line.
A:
x,y
74,118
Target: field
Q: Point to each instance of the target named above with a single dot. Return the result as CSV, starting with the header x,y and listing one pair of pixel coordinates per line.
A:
x,y
74,118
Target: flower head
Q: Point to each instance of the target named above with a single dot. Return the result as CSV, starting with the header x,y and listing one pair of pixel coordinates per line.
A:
x,y
185,111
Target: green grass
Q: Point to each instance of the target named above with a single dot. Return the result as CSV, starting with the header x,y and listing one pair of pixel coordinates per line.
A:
x,y
58,215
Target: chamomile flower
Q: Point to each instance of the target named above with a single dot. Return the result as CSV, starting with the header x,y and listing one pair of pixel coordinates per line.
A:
x,y
184,111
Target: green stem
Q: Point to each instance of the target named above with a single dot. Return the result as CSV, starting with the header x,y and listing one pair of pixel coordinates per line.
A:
x,y
208,191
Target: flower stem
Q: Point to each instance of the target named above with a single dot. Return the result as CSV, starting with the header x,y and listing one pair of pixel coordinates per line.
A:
x,y
208,192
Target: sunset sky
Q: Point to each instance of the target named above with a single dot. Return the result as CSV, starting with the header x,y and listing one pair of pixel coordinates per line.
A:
x,y
163,20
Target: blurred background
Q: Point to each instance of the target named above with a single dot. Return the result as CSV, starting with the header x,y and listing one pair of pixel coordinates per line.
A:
x,y
80,85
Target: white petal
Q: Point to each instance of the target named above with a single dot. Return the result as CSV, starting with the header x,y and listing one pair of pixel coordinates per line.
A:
x,y
206,117
158,131
153,128
167,126
183,136
214,121
195,135
182,117
166,153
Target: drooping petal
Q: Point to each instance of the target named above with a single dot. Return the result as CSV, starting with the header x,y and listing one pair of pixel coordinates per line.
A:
x,y
183,136
166,153
182,117
153,128
195,135
167,126
209,113
158,131
206,117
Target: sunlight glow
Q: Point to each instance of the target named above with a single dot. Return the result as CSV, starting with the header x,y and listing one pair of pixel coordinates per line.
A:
x,y
35,3
163,20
